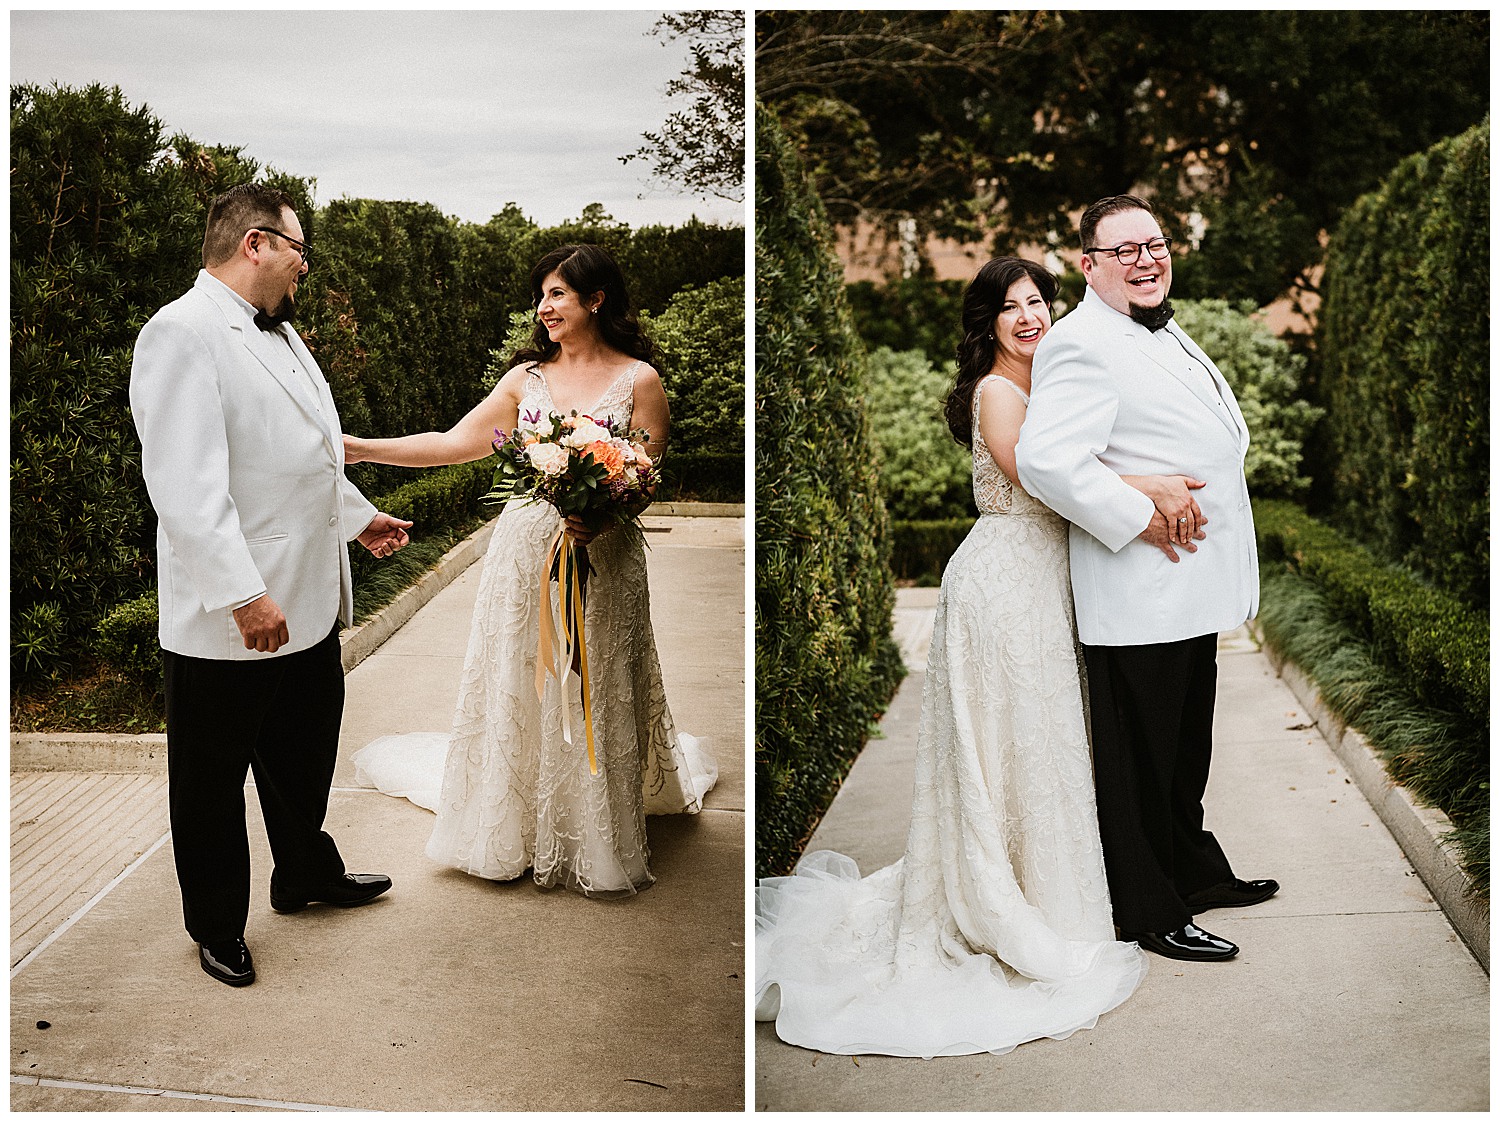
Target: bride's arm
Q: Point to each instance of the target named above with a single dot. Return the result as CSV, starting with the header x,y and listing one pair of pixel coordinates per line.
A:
x,y
1001,414
472,438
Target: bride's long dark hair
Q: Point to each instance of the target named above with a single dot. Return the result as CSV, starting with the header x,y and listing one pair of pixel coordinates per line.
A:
x,y
983,300
587,269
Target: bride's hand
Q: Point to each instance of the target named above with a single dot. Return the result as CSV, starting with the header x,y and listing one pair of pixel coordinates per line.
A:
x,y
352,450
1173,496
580,533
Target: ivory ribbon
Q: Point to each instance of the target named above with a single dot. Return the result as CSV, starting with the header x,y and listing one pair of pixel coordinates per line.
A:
x,y
559,639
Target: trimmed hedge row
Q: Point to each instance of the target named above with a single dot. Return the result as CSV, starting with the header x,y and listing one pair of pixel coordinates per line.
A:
x,y
1406,665
1438,644
401,308
920,548
825,663
125,639
1403,336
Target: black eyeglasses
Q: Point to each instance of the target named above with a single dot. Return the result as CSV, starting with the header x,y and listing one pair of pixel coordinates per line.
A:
x,y
302,248
1127,253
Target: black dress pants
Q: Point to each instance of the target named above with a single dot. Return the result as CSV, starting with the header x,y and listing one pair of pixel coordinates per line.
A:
x,y
279,717
1151,716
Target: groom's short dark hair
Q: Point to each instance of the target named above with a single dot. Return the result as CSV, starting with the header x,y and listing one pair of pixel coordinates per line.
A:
x,y
1097,212
238,209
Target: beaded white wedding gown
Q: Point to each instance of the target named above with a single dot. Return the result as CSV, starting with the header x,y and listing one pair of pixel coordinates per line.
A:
x,y
994,928
511,795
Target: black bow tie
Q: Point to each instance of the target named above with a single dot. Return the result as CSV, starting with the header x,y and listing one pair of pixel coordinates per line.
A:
x,y
267,322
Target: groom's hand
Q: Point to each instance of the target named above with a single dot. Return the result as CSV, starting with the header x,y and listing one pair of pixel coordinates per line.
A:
x,y
385,534
262,625
1159,534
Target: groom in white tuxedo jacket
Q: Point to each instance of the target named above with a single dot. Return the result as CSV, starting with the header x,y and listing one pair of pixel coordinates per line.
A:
x,y
243,459
1119,389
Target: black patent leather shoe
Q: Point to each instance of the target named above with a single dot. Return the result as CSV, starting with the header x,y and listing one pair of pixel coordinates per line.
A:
x,y
349,891
1189,943
1232,894
228,962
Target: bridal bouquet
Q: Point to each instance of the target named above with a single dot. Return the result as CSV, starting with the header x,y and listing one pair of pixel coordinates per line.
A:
x,y
587,468
581,466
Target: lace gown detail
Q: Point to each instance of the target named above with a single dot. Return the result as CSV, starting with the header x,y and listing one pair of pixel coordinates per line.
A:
x,y
994,928
514,795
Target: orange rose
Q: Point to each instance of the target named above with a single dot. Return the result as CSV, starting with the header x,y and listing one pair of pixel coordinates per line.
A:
x,y
610,455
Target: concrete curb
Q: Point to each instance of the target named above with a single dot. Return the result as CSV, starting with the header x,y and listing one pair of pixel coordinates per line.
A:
x,y
1418,830
697,510
121,752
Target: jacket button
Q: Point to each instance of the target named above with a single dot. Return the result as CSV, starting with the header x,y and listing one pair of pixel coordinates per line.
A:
x,y
334,521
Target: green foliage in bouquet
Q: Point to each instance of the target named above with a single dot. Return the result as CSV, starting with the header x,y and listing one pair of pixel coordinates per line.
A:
x,y
825,664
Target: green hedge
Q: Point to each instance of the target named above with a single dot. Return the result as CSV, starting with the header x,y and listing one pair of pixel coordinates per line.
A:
x,y
910,314
125,639
924,472
920,548
1436,642
825,663
1406,664
402,308
1403,336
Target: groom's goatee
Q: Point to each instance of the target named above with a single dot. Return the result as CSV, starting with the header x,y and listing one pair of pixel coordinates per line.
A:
x,y
1152,318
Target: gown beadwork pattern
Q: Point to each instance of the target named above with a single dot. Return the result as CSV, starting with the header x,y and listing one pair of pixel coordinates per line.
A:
x,y
994,928
511,795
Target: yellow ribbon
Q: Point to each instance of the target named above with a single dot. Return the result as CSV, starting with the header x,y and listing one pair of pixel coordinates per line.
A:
x,y
555,648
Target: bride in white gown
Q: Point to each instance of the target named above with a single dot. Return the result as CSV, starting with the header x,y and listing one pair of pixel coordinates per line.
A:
x,y
995,927
510,793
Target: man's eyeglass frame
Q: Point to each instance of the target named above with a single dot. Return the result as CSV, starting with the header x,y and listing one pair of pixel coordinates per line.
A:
x,y
1115,251
302,248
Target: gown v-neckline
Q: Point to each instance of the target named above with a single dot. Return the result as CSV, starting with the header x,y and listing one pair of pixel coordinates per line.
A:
x,y
615,381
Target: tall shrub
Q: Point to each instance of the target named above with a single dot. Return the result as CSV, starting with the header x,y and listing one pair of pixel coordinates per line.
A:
x,y
924,473
825,663
1403,341
106,225
1266,377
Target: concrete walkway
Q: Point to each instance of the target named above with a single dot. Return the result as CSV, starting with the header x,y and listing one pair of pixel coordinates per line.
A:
x,y
1351,990
449,993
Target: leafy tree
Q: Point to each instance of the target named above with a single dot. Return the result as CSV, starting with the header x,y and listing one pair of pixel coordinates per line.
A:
x,y
1253,129
825,664
702,148
106,226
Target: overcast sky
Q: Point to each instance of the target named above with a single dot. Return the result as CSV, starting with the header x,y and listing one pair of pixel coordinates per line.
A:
x,y
466,110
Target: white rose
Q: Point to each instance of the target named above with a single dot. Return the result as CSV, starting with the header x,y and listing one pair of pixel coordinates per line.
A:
x,y
548,458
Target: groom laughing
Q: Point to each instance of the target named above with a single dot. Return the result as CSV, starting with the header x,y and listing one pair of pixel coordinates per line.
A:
x,y
244,463
1119,389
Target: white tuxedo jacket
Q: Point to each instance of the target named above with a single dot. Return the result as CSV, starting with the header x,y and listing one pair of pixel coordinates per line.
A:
x,y
244,462
1106,402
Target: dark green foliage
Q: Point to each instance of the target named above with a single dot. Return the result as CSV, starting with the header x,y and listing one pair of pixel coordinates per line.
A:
x,y
924,472
1266,378
126,640
436,500
1435,641
700,340
106,225
401,308
709,477
825,664
910,314
1404,345
920,548
1405,664
999,125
